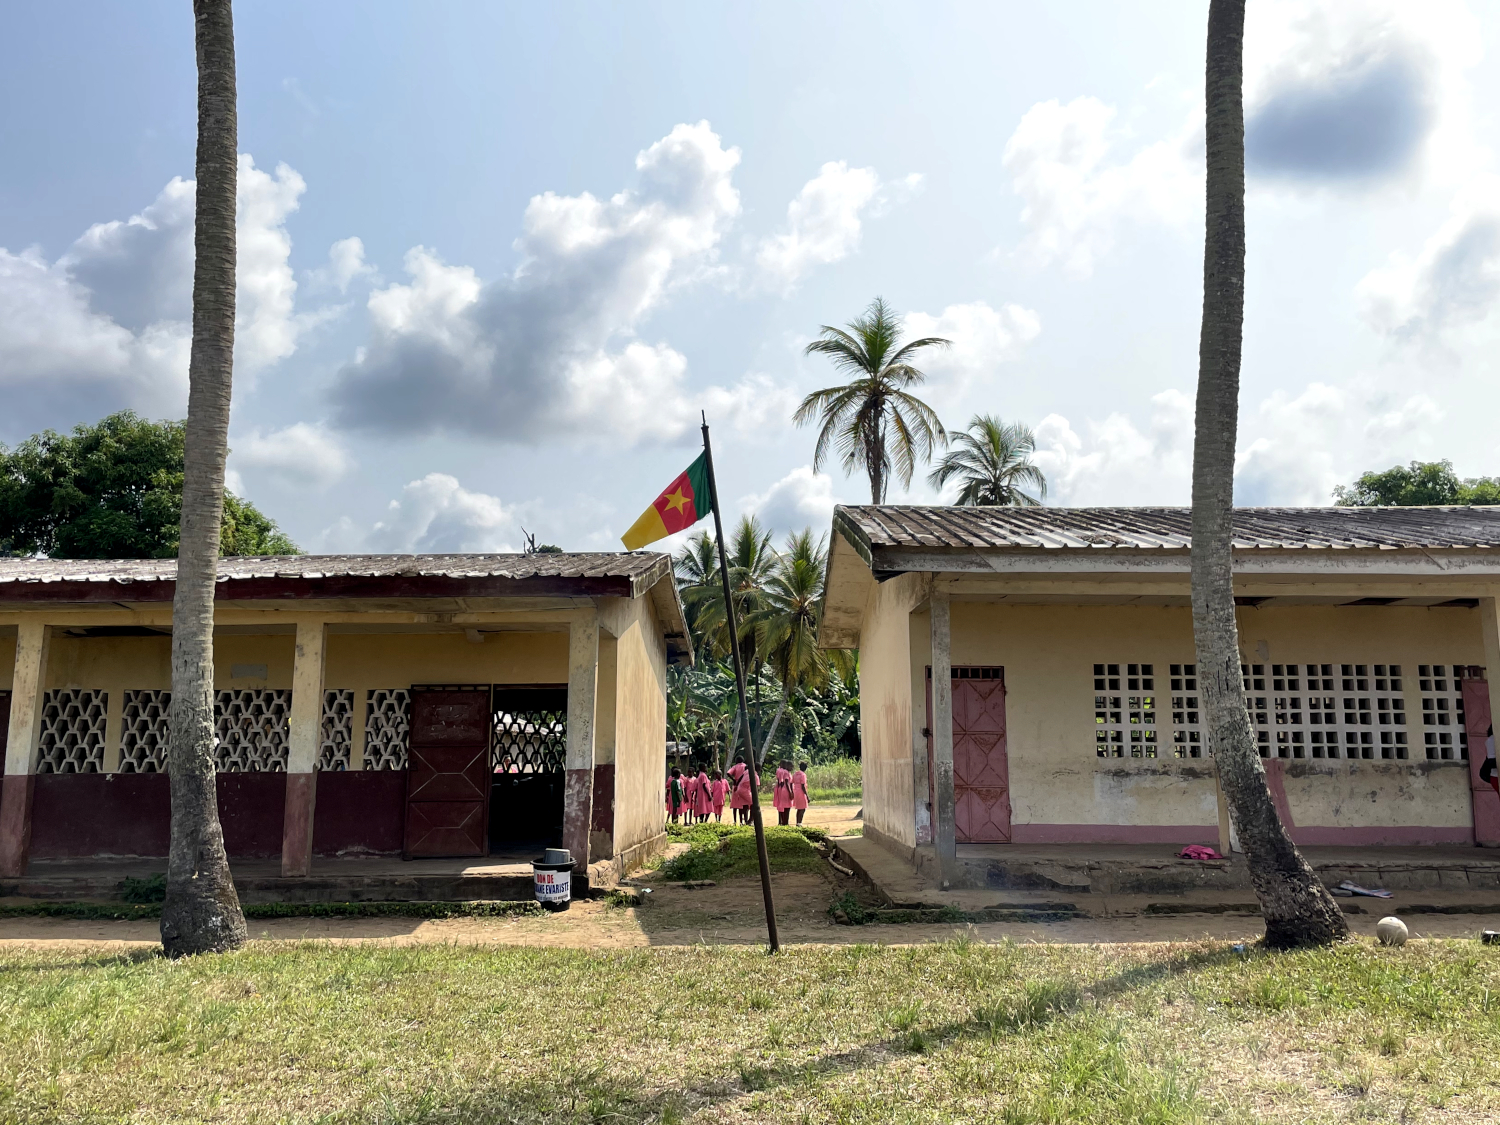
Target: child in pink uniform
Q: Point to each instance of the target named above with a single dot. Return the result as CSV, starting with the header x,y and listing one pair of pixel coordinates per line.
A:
x,y
739,774
705,802
689,797
718,789
799,791
675,794
782,795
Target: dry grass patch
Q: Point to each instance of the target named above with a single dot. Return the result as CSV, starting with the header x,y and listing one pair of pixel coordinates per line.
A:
x,y
853,1034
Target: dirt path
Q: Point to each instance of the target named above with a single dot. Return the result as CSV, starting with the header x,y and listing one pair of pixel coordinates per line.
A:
x,y
724,914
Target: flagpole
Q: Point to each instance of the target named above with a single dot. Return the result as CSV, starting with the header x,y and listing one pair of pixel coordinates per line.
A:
x,y
739,683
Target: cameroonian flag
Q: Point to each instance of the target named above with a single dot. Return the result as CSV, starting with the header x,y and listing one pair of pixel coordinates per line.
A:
x,y
682,503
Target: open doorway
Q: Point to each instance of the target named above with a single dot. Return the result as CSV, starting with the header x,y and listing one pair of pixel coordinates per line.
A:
x,y
527,754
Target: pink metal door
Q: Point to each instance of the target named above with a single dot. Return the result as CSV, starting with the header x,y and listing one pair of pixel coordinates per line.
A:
x,y
981,775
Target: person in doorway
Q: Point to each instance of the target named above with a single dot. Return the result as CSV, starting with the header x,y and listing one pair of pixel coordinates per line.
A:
x,y
703,802
799,791
676,797
781,796
739,803
718,790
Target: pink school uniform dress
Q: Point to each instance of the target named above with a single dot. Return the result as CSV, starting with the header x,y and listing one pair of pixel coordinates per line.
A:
x,y
741,774
689,794
718,790
704,802
799,790
781,799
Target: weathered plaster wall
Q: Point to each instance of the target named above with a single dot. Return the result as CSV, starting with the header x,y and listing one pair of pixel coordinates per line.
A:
x,y
640,719
1061,789
885,706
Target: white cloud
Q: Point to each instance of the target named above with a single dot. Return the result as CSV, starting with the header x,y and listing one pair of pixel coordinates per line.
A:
x,y
800,499
823,224
346,262
108,324
1358,91
438,515
552,349
301,455
1076,190
1452,283
983,338
1293,449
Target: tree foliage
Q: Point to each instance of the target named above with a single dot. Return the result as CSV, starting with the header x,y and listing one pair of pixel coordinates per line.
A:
x,y
778,595
992,465
1421,482
873,422
113,490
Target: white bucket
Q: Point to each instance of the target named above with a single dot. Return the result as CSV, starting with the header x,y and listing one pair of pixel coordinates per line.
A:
x,y
554,884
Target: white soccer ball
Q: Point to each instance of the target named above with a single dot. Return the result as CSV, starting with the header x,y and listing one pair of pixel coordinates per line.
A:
x,y
1391,931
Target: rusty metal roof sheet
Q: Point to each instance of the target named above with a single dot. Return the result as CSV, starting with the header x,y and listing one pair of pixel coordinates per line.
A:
x,y
640,565
909,526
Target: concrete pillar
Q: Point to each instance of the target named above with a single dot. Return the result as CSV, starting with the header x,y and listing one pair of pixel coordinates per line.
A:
x,y
578,790
22,738
944,828
919,643
602,815
114,721
306,737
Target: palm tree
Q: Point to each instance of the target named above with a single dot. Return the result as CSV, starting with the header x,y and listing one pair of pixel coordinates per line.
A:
x,y
786,625
751,562
1297,907
873,421
992,464
202,911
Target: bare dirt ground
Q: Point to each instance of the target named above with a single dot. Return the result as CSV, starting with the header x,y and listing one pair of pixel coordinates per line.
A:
x,y
726,914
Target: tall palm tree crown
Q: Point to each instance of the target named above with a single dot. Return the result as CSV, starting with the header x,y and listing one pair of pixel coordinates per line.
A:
x,y
786,625
751,562
873,421
993,465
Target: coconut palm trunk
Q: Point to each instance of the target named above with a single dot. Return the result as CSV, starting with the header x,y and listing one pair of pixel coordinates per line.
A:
x,y
202,911
1298,909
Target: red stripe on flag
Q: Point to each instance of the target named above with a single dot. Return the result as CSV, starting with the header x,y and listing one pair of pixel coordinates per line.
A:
x,y
676,505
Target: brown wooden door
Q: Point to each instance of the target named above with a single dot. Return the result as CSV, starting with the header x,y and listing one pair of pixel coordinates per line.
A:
x,y
448,772
981,771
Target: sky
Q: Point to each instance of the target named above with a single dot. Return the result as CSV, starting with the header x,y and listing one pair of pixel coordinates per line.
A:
x,y
495,259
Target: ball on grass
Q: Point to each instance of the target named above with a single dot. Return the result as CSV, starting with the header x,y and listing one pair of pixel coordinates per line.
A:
x,y
1391,931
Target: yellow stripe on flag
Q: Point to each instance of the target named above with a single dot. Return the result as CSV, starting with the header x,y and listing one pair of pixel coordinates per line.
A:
x,y
647,529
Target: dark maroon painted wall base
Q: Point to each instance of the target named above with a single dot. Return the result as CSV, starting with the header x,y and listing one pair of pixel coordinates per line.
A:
x,y
76,815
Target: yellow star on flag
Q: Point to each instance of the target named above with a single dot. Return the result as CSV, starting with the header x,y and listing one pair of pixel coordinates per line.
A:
x,y
677,501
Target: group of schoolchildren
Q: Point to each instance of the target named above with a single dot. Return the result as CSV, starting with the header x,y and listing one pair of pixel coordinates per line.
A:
x,y
695,797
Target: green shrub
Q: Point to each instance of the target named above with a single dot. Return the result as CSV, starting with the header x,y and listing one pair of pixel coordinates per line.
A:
x,y
724,851
153,888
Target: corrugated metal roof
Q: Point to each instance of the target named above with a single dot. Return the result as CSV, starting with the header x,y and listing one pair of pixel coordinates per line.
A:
x,y
635,565
898,525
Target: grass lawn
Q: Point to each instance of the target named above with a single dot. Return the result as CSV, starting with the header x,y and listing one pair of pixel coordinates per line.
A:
x,y
938,1033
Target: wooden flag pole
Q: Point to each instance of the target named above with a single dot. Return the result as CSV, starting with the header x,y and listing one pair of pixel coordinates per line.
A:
x,y
739,683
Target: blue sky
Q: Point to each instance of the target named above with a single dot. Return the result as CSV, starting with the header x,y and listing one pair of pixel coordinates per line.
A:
x,y
496,257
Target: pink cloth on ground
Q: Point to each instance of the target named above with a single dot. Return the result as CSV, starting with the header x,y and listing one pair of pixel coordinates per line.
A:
x,y
799,790
782,796
1198,851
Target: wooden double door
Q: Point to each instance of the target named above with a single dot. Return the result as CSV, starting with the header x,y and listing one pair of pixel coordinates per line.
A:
x,y
981,772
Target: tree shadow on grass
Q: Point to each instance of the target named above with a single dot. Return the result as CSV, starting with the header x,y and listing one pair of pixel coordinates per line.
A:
x,y
599,1093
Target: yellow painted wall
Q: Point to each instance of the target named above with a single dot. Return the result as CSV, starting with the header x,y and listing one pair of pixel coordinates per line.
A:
x,y
640,718
885,706
1056,777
